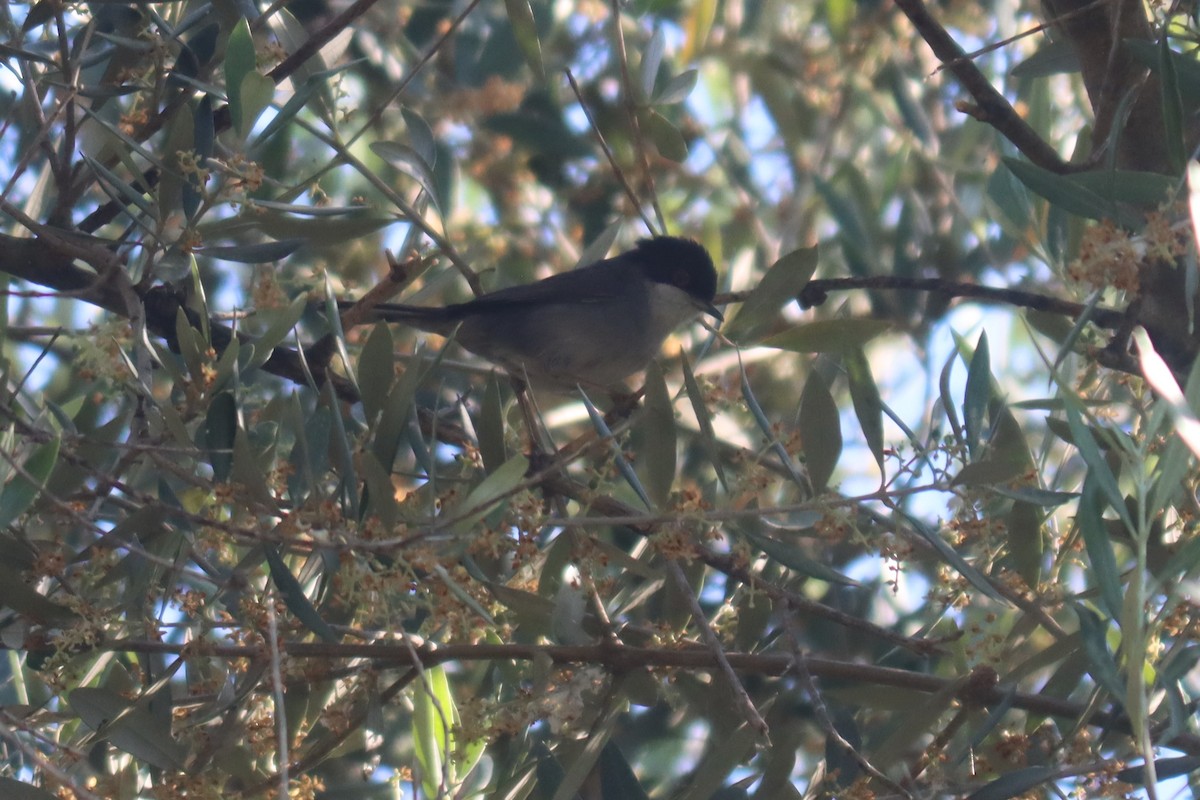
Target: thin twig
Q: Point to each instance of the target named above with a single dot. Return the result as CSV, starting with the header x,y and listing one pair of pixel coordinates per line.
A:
x,y
826,722
740,697
992,107
282,757
608,153
631,107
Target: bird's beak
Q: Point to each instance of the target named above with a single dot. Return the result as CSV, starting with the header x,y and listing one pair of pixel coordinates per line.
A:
x,y
712,311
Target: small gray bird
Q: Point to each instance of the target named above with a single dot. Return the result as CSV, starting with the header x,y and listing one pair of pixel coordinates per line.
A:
x,y
592,327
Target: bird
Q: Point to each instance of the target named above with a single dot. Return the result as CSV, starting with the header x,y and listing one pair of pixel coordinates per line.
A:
x,y
591,327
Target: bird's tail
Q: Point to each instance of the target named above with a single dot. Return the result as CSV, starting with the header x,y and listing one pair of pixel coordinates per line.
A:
x,y
433,319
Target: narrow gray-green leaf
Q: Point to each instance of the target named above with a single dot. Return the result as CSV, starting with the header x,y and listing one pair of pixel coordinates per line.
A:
x,y
1015,783
24,487
951,556
622,463
490,427
130,727
820,430
651,61
294,598
778,287
412,163
1102,666
524,27
1099,548
792,558
240,61
828,335
1089,450
678,88
864,395
259,253
1068,194
977,395
16,790
479,501
657,427
376,370
708,436
282,322
666,137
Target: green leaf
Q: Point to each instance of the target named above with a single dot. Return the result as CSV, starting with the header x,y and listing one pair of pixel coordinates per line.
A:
x,y
379,497
1172,105
977,395
131,727
677,89
708,436
259,253
657,427
218,433
1069,194
793,558
616,776
840,14
1105,572
1015,783
480,500
1025,541
666,137
618,456
868,405
1146,189
27,601
282,322
820,430
294,598
395,414
257,93
409,161
1051,58
778,287
953,558
247,472
317,229
490,427
16,790
987,472
524,27
24,486
240,61
120,191
376,370
1035,496
652,62
1089,450
828,335
1101,665
433,718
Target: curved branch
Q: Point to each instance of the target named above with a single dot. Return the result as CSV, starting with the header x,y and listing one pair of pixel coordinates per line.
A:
x,y
44,263
990,106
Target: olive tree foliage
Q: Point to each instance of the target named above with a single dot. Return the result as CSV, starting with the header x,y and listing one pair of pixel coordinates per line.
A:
x,y
919,522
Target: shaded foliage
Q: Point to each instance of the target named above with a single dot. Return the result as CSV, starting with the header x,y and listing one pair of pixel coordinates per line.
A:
x,y
928,532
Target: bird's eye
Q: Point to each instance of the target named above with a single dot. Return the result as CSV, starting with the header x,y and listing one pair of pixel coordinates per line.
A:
x,y
682,278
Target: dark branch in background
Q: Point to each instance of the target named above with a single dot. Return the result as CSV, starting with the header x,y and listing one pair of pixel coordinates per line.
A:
x,y
1100,34
37,261
1160,309
221,117
815,293
978,689
990,106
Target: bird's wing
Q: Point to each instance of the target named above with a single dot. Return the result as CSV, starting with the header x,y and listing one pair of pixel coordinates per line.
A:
x,y
591,284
